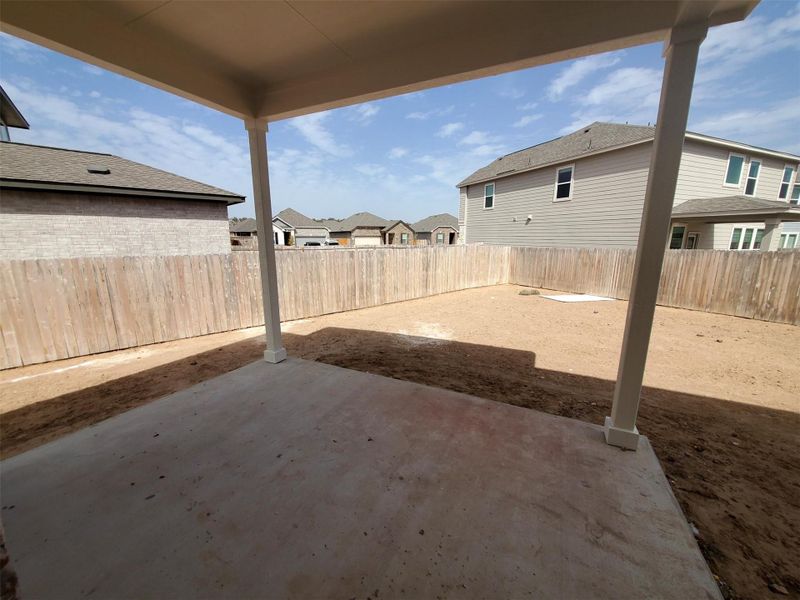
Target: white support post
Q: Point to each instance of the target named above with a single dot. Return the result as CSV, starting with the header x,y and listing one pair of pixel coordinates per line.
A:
x,y
257,134
680,53
771,237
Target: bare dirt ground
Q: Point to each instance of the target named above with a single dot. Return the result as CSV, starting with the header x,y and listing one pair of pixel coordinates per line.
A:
x,y
721,406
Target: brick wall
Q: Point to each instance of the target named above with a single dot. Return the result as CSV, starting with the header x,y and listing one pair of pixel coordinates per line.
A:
x,y
36,224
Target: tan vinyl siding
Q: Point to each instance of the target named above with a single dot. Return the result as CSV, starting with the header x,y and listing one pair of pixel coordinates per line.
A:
x,y
703,169
462,214
605,210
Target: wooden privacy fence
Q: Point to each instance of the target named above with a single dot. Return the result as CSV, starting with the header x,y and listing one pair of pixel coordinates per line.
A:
x,y
756,285
60,308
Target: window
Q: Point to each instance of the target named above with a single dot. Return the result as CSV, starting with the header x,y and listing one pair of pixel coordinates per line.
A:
x,y
403,238
752,178
733,176
488,196
564,183
796,191
788,240
440,238
692,240
746,238
676,239
786,181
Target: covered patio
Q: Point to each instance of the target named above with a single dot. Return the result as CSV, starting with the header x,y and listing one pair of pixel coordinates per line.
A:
x,y
305,480
558,514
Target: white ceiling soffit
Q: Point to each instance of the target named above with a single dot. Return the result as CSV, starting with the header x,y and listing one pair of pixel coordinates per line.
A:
x,y
282,59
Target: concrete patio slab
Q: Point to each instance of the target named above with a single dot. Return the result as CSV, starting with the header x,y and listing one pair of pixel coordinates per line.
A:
x,y
304,480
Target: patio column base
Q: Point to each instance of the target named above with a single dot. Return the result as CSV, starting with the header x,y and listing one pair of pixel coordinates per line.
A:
x,y
622,438
275,356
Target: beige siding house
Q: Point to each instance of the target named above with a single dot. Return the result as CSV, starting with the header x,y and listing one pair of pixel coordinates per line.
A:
x,y
587,189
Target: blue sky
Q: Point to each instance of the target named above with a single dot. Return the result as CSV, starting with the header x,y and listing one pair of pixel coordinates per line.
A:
x,y
401,157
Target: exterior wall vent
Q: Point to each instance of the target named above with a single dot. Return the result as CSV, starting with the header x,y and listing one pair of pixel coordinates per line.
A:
x,y
98,170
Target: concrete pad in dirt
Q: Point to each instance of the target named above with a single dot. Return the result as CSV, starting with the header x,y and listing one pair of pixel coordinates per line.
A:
x,y
306,480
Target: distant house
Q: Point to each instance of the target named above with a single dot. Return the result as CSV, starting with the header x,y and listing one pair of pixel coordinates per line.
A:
x,y
437,229
297,229
360,229
587,189
59,203
244,234
398,233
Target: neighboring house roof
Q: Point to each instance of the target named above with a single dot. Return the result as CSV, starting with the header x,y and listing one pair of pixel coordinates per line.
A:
x,y
592,139
295,219
244,226
735,206
392,224
9,113
44,168
428,224
362,219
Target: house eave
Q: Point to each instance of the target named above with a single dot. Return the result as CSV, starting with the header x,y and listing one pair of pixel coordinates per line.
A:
x,y
699,137
115,191
732,216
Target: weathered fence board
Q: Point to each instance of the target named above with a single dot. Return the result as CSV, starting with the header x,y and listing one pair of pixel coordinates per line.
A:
x,y
60,308
756,285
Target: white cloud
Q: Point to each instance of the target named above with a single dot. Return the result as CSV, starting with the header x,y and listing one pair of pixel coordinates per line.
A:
x,y
487,150
513,93
95,94
371,170
729,48
92,70
474,138
365,113
774,125
527,120
629,86
425,115
576,72
528,106
312,128
20,50
398,152
449,129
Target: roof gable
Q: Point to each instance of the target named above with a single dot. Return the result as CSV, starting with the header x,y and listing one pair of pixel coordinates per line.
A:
x,y
296,219
428,224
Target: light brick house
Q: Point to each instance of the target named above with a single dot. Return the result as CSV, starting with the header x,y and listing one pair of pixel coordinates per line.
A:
x,y
439,229
398,233
587,189
58,203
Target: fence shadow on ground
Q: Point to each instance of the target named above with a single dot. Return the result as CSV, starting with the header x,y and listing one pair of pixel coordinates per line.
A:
x,y
731,465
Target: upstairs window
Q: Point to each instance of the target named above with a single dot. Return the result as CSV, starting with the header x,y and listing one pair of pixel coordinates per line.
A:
x,y
796,191
488,196
733,176
786,181
752,177
564,183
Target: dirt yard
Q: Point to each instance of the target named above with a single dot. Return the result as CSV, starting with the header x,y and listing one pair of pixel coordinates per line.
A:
x,y
721,406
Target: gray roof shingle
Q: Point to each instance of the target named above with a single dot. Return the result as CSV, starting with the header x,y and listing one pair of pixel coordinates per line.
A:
x,y
589,139
40,164
244,226
428,224
297,219
362,219
731,205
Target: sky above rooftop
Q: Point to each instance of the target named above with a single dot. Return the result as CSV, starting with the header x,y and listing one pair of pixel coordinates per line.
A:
x,y
401,157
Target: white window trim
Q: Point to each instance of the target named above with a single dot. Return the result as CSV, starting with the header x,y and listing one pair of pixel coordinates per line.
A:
x,y
683,239
758,176
741,239
792,180
794,184
727,168
571,183
494,195
689,234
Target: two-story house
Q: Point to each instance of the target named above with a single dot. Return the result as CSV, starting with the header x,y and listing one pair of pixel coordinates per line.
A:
x,y
586,189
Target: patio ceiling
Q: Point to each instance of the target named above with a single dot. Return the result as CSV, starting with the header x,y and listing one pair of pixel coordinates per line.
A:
x,y
282,59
